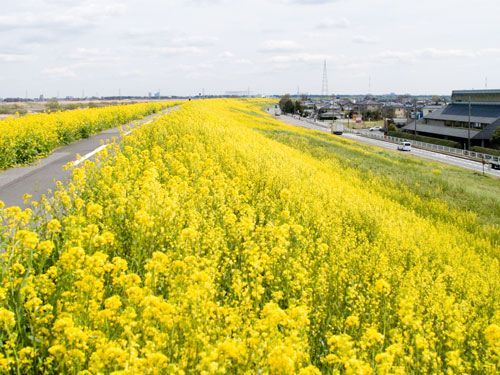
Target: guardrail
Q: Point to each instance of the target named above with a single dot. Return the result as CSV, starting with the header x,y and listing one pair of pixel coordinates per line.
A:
x,y
430,146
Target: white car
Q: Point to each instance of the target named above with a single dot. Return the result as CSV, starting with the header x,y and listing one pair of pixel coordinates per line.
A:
x,y
404,146
376,128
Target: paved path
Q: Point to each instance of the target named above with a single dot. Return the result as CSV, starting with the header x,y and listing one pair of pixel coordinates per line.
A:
x,y
444,158
37,179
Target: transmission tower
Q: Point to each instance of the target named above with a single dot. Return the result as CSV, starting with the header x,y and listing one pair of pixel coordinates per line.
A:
x,y
324,86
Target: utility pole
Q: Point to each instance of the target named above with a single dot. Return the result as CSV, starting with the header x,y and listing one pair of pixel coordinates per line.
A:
x,y
415,114
333,113
468,130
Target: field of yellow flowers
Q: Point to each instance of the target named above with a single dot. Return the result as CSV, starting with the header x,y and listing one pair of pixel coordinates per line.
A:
x,y
24,139
218,241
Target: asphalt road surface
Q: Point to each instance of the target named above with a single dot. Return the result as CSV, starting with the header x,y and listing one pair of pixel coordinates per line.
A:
x,y
444,158
37,179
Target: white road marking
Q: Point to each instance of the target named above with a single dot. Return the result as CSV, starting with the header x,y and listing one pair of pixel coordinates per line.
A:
x,y
100,148
89,155
131,130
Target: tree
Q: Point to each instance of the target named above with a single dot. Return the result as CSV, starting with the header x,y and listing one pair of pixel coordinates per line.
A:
x,y
391,126
283,100
389,112
52,105
288,107
71,106
436,99
299,107
495,139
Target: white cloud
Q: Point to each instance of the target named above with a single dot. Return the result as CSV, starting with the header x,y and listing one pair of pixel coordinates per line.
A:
x,y
101,9
169,51
158,52
91,54
196,70
42,22
226,55
280,46
427,54
162,37
341,23
138,33
85,57
6,57
433,52
89,7
103,43
62,15
131,73
242,61
309,2
195,40
491,50
363,39
192,67
57,20
59,73
206,2
299,58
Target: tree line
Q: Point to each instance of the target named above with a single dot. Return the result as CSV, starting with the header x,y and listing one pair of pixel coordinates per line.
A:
x,y
289,105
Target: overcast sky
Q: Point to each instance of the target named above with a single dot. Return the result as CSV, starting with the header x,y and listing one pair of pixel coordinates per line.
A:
x,y
267,46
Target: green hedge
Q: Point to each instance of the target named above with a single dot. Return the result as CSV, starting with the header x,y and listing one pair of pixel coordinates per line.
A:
x,y
436,141
484,150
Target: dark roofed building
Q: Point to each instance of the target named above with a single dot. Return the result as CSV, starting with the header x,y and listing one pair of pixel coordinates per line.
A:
x,y
452,122
475,96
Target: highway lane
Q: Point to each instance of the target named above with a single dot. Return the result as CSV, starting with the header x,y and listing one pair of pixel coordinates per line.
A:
x,y
444,158
37,179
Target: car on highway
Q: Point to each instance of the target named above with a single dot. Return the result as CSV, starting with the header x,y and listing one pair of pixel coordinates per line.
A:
x,y
404,146
376,128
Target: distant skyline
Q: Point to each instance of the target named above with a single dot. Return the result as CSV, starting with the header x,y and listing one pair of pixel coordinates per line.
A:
x,y
187,47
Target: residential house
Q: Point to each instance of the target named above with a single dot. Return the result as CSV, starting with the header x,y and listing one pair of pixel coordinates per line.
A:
x,y
473,115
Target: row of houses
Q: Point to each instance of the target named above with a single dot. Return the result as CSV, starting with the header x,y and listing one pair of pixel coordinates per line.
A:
x,y
471,118
366,108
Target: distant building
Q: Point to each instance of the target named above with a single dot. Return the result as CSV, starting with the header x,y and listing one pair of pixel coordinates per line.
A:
x,y
395,110
368,106
452,121
329,110
430,108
